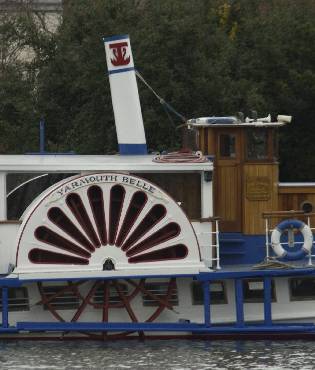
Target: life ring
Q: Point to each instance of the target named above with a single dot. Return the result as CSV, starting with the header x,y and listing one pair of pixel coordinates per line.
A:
x,y
292,224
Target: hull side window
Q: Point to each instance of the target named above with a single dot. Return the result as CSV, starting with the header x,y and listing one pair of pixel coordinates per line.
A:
x,y
217,293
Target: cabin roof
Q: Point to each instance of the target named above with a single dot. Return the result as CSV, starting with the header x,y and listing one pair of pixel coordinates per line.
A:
x,y
76,163
238,124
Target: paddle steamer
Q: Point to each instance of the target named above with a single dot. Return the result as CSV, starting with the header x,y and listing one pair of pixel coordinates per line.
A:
x,y
188,244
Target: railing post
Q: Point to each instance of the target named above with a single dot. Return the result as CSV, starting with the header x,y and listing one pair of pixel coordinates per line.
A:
x,y
239,302
206,302
5,310
217,242
3,196
267,238
267,301
42,136
310,252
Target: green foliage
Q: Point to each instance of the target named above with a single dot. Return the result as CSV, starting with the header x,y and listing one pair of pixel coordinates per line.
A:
x,y
16,112
203,57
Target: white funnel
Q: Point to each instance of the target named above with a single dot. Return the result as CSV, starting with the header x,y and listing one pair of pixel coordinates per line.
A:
x,y
125,96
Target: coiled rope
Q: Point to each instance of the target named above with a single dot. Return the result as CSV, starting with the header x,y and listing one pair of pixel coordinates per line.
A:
x,y
272,265
182,156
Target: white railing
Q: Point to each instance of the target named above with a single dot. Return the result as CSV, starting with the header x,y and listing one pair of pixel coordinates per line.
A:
x,y
215,233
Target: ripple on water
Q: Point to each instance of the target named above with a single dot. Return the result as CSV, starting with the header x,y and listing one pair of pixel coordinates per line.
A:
x,y
175,355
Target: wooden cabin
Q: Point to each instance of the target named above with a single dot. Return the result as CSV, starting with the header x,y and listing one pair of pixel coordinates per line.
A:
x,y
246,175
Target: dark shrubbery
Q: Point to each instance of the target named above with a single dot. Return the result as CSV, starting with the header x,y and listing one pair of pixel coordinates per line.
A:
x,y
204,57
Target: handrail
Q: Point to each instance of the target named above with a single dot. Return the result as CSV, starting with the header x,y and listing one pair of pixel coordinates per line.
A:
x,y
206,219
215,241
286,213
216,245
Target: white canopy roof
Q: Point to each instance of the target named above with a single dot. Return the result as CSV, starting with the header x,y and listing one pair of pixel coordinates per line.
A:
x,y
81,163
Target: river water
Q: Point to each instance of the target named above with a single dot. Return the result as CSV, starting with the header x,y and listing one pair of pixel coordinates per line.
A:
x,y
158,354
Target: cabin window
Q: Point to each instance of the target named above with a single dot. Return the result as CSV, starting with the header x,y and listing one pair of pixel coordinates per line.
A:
x,y
184,188
64,299
302,289
157,293
113,294
217,293
23,188
227,146
17,299
253,290
257,144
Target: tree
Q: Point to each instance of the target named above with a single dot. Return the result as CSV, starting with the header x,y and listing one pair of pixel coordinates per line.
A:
x,y
25,42
203,57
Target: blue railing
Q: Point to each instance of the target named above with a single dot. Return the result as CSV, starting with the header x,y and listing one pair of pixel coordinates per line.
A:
x,y
206,327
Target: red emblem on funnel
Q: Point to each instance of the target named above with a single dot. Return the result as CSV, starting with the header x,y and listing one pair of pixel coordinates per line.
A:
x,y
120,51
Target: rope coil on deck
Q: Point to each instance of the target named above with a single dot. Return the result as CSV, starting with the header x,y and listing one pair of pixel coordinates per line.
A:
x,y
272,264
184,156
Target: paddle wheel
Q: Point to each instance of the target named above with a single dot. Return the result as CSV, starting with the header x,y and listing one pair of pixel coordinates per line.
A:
x,y
101,237
98,296
106,222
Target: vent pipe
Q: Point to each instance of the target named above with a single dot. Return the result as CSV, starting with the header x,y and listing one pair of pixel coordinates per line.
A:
x,y
125,96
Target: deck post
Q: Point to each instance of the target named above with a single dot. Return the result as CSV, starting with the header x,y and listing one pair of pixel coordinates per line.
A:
x,y
206,302
3,196
267,300
239,302
5,302
267,238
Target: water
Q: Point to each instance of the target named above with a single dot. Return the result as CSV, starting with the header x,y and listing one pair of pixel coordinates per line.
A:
x,y
175,355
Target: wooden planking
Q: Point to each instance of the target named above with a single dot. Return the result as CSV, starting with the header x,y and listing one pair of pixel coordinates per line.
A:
x,y
244,190
292,197
211,143
182,187
207,143
227,180
228,195
228,188
260,194
201,139
283,189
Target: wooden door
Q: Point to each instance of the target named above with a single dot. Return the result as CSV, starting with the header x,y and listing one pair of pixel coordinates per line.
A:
x,y
227,179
